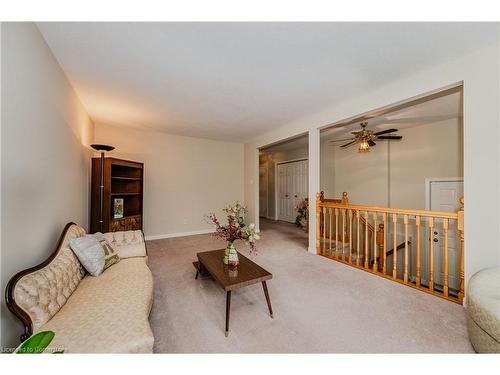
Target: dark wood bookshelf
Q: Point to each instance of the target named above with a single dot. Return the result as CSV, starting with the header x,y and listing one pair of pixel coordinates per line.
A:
x,y
122,179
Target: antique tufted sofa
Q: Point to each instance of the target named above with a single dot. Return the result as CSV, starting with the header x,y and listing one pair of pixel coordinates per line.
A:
x,y
104,314
483,310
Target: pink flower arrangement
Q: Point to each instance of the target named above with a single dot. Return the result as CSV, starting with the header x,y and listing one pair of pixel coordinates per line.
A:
x,y
235,229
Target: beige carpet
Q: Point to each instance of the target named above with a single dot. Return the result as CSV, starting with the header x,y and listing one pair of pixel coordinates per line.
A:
x,y
319,305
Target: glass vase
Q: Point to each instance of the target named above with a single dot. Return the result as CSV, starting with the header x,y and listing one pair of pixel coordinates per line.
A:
x,y
231,256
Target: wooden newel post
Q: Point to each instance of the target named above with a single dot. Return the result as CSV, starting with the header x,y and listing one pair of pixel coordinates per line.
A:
x,y
345,199
380,245
461,234
319,198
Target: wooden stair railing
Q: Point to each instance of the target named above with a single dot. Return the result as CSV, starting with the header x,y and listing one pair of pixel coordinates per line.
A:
x,y
343,237
346,233
388,253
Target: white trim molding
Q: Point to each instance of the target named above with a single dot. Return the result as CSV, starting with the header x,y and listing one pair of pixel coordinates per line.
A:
x,y
178,234
291,161
314,184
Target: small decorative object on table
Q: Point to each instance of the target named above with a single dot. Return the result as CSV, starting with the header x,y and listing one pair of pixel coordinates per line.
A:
x,y
302,219
235,229
118,208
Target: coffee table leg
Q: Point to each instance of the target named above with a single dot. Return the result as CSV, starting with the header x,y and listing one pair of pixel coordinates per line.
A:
x,y
264,285
228,308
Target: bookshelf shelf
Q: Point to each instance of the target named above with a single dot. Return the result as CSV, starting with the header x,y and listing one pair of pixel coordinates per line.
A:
x,y
126,178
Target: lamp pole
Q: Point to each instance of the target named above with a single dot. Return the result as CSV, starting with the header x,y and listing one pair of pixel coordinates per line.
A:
x,y
102,149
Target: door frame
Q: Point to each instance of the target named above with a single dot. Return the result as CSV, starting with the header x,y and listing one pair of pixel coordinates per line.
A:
x,y
276,181
267,188
430,180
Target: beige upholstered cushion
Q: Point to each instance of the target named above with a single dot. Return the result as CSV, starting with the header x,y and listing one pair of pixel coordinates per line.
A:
x,y
131,251
108,313
481,340
128,244
42,293
483,309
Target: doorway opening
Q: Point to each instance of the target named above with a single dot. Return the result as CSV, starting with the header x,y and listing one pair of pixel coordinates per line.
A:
x,y
283,187
400,163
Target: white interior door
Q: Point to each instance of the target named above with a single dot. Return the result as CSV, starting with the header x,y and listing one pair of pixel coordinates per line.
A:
x,y
292,188
445,196
282,195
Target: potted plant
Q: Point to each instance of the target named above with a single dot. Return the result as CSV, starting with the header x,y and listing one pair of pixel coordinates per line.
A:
x,y
302,219
234,230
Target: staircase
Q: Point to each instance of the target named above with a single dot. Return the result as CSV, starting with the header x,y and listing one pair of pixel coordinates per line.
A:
x,y
346,233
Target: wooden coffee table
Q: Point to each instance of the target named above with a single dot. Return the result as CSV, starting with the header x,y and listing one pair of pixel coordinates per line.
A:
x,y
210,264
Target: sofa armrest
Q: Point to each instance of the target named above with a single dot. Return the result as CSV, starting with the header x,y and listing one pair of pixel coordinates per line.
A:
x,y
128,244
36,294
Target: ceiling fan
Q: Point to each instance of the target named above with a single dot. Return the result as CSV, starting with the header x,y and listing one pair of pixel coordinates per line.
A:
x,y
366,138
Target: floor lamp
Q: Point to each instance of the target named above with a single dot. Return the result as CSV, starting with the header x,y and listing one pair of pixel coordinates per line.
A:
x,y
102,149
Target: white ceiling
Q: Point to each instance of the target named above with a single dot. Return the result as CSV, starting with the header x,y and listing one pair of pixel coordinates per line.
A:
x,y
233,81
430,112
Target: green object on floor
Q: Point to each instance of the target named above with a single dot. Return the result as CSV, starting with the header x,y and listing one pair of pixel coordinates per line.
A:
x,y
36,344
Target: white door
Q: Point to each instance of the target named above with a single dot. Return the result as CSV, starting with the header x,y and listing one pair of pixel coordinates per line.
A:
x,y
292,187
445,196
282,196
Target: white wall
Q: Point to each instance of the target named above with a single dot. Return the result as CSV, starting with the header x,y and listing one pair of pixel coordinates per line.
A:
x,y
432,150
272,159
184,178
45,164
364,177
1,274
393,174
481,76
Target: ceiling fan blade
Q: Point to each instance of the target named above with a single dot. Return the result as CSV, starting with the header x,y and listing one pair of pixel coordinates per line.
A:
x,y
348,144
386,131
355,133
341,140
371,143
390,137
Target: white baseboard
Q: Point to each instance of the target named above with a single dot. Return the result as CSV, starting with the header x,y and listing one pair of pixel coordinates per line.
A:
x,y
178,234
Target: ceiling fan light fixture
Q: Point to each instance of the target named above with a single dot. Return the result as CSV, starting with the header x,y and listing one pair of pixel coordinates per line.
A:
x,y
364,146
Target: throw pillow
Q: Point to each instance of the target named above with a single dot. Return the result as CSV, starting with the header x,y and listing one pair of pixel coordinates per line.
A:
x,y
90,253
110,255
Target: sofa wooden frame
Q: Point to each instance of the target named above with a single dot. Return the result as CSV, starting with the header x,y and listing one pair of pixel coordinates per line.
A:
x,y
17,310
